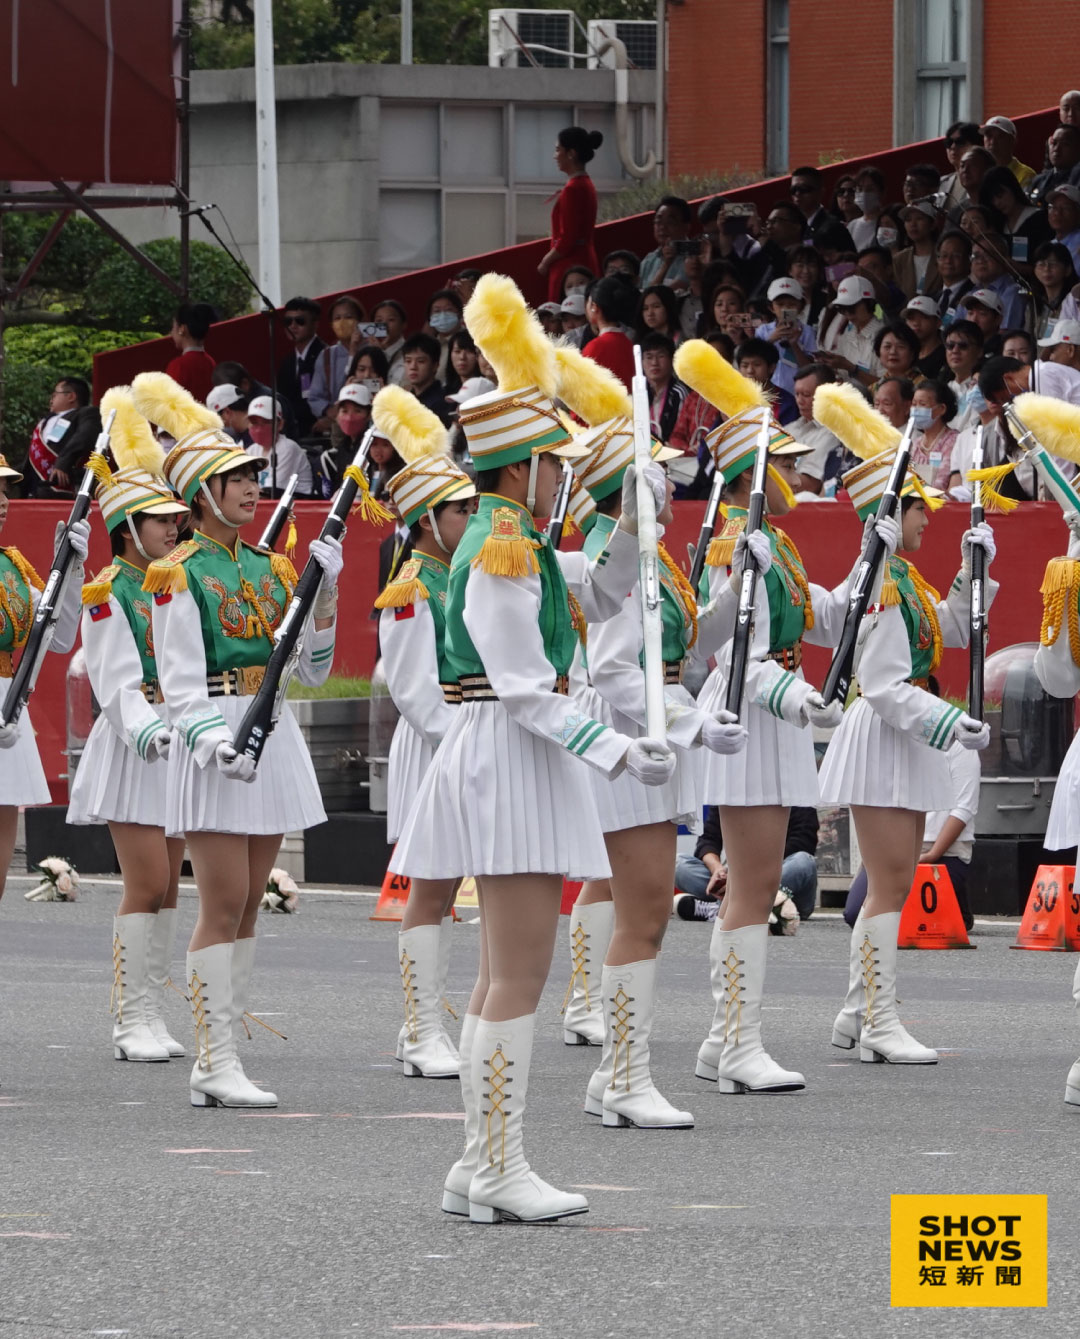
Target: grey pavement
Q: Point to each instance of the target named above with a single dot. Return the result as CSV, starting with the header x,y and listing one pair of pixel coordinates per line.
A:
x,y
124,1211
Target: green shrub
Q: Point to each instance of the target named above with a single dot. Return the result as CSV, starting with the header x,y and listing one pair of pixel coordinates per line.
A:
x,y
68,346
26,399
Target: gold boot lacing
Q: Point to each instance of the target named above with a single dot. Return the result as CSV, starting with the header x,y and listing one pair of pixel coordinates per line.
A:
x,y
498,1093
869,975
579,961
202,1026
733,991
621,1028
116,999
407,984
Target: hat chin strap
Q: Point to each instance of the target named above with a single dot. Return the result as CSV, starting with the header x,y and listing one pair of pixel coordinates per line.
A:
x,y
530,497
435,530
233,525
135,536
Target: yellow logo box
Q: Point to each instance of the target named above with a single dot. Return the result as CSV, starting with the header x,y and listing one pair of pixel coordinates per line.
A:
x,y
969,1250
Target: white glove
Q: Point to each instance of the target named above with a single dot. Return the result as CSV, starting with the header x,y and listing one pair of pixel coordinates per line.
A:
x,y
970,733
657,481
760,554
889,530
827,715
1072,520
8,735
158,745
723,734
327,553
236,766
78,534
651,762
980,536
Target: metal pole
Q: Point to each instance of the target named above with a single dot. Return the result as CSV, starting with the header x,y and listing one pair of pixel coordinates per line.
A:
x,y
184,111
659,115
406,32
266,154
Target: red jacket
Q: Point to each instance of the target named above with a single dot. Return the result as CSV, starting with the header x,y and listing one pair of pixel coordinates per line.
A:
x,y
194,370
615,352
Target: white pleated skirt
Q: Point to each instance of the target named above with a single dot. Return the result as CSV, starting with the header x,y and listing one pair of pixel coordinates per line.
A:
x,y
284,797
626,803
22,777
870,762
777,767
410,758
1063,829
498,799
114,785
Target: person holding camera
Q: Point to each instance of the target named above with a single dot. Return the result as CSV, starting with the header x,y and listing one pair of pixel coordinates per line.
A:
x,y
666,264
794,341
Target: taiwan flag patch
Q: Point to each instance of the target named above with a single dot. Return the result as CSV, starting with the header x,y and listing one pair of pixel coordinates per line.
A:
x,y
99,611
406,611
163,598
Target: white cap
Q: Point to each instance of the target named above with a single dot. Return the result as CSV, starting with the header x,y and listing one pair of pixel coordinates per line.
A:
x,y
920,207
854,289
999,123
260,408
223,397
921,303
1065,332
986,297
472,387
786,288
549,309
360,395
1069,191
573,305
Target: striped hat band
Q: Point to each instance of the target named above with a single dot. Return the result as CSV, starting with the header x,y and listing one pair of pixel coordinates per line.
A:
x,y
734,443
611,449
425,484
136,491
503,427
202,454
867,482
581,505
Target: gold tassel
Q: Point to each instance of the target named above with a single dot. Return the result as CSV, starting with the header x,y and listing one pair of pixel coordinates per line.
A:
x,y
721,548
785,491
283,569
890,593
578,620
931,503
990,477
570,526
25,568
99,590
398,594
370,510
1061,603
290,538
165,578
508,557
99,468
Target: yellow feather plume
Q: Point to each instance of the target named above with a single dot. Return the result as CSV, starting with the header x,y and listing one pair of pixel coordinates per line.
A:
x,y
591,391
1056,424
133,445
164,402
859,426
509,335
412,428
706,371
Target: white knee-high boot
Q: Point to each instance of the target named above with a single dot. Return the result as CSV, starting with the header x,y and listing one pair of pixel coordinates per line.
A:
x,y
591,928
883,1037
848,1022
218,1078
504,1186
132,1036
161,946
426,1051
631,1097
456,1187
745,1066
445,942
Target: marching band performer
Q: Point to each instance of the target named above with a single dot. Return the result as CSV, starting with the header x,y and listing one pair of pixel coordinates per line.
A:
x,y
640,823
121,776
217,602
22,777
435,499
887,760
505,799
755,789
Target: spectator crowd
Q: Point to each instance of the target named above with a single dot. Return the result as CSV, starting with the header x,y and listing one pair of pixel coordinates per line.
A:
x,y
938,307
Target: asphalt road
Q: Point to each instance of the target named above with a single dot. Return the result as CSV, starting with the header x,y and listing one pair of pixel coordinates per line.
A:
x,y
124,1211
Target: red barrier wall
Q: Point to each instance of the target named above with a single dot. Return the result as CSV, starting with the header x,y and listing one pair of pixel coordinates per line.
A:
x,y
827,536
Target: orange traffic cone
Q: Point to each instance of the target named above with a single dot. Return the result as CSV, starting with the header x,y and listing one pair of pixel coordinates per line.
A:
x,y
931,916
466,895
1051,919
392,898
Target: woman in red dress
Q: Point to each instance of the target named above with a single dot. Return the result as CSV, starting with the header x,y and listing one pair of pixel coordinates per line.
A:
x,y
573,216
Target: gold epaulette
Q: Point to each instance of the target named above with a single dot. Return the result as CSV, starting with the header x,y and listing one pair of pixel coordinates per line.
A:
x,y
166,576
283,569
508,551
721,548
99,590
1061,603
890,591
24,568
406,588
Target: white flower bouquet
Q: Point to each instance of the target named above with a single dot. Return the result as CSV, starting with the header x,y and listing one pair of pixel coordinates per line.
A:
x,y
59,881
281,893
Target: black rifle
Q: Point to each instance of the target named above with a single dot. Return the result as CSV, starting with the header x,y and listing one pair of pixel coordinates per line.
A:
x,y
708,528
48,610
838,680
280,515
557,523
977,646
744,621
261,717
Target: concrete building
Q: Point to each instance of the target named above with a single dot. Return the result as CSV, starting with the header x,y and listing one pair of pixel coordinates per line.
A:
x,y
384,168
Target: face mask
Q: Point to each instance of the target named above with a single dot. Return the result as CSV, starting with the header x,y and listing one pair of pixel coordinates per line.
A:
x,y
977,401
343,327
867,200
575,288
887,236
922,416
444,322
261,434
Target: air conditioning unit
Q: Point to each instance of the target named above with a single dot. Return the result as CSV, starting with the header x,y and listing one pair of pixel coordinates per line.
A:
x,y
639,35
548,34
